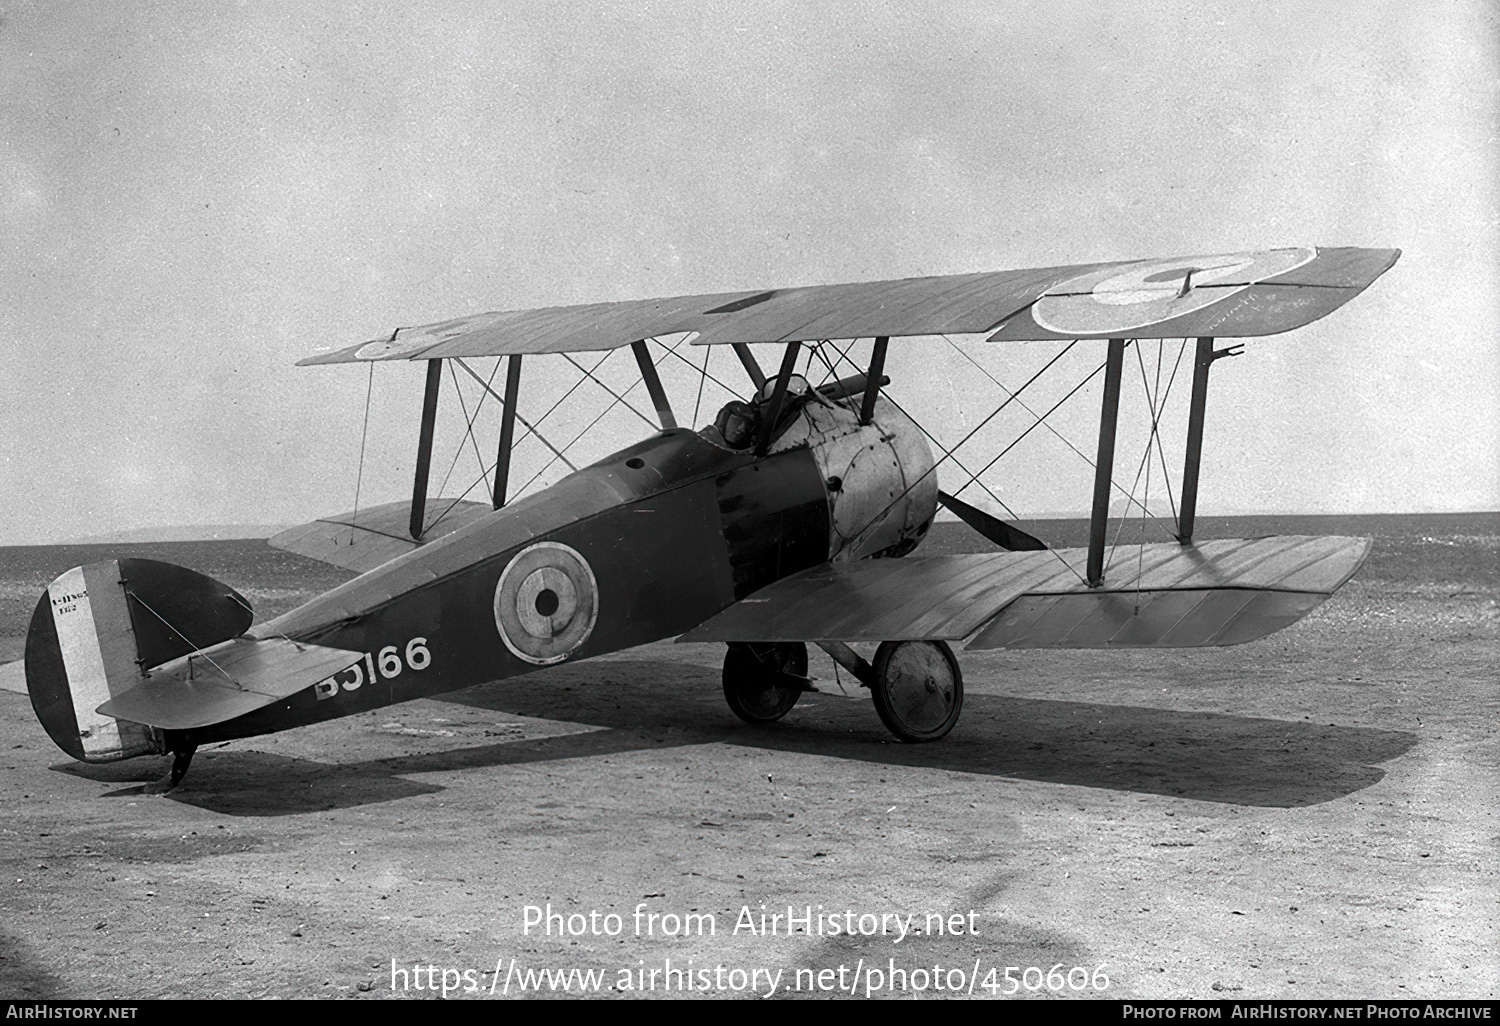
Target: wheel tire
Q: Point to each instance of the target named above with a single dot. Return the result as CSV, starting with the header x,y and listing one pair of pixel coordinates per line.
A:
x,y
754,683
918,690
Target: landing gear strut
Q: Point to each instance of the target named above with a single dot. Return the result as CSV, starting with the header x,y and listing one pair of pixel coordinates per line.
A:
x,y
763,682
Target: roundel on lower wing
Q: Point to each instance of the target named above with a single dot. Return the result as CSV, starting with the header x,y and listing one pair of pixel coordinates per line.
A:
x,y
546,602
1115,300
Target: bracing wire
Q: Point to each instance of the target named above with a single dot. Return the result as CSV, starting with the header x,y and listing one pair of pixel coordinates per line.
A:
x,y
950,454
1156,401
702,380
364,432
672,351
197,650
1160,448
977,428
469,427
531,429
469,422
1140,555
587,428
939,445
1130,499
618,398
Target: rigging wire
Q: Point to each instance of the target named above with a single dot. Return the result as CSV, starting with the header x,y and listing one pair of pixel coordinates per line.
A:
x,y
531,428
832,370
1140,467
702,380
197,650
618,398
1160,448
672,351
949,454
469,423
524,434
359,479
933,439
459,451
1130,499
1043,418
576,385
1156,402
995,413
588,427
1140,556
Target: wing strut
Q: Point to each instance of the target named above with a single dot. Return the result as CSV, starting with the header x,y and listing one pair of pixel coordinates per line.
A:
x,y
1104,468
751,367
872,382
424,448
653,384
1204,360
507,428
778,396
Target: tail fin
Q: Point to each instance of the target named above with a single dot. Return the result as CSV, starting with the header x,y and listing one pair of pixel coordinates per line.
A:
x,y
98,629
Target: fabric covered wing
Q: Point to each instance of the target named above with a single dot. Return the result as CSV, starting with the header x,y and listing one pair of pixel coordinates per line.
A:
x,y
918,597
1231,295
1171,596
1226,295
226,681
375,535
1213,593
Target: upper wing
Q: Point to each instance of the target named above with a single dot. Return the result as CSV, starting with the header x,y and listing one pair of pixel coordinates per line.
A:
x,y
1169,595
1225,295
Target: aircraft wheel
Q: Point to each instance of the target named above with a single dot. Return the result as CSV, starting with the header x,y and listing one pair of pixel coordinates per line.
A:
x,y
763,682
918,689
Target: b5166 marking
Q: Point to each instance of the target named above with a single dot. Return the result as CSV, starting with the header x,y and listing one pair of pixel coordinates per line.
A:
x,y
388,662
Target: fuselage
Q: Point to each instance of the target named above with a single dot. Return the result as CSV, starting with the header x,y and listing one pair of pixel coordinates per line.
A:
x,y
643,545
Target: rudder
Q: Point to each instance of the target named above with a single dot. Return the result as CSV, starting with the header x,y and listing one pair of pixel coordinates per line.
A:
x,y
98,628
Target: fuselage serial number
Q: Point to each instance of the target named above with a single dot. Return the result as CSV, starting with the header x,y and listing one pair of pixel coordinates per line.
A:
x,y
388,662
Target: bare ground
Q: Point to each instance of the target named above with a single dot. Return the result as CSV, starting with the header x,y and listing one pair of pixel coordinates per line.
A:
x,y
1311,815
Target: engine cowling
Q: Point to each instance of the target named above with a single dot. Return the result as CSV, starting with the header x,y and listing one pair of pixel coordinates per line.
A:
x,y
882,493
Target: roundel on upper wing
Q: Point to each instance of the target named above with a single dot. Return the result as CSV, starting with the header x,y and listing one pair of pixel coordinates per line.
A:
x,y
1115,300
546,602
411,340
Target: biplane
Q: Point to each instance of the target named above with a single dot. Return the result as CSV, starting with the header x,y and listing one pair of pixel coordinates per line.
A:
x,y
791,519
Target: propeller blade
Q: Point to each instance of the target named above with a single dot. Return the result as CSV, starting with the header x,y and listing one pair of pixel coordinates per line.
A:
x,y
997,531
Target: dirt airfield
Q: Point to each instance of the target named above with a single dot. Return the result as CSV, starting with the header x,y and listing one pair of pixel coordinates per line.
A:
x,y
1309,816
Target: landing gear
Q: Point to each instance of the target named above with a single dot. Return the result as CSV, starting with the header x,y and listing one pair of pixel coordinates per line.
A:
x,y
181,759
763,682
918,689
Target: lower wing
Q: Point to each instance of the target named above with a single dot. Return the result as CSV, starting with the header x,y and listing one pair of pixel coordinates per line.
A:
x,y
1167,595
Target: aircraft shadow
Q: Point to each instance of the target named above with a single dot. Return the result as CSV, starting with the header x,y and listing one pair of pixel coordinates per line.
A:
x,y
22,977
1206,756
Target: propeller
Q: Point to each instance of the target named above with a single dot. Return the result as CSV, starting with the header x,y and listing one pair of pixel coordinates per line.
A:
x,y
997,531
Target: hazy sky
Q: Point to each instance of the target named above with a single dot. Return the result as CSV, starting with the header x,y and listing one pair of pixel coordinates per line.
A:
x,y
193,196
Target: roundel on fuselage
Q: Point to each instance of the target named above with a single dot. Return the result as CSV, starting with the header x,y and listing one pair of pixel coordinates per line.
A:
x,y
546,602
